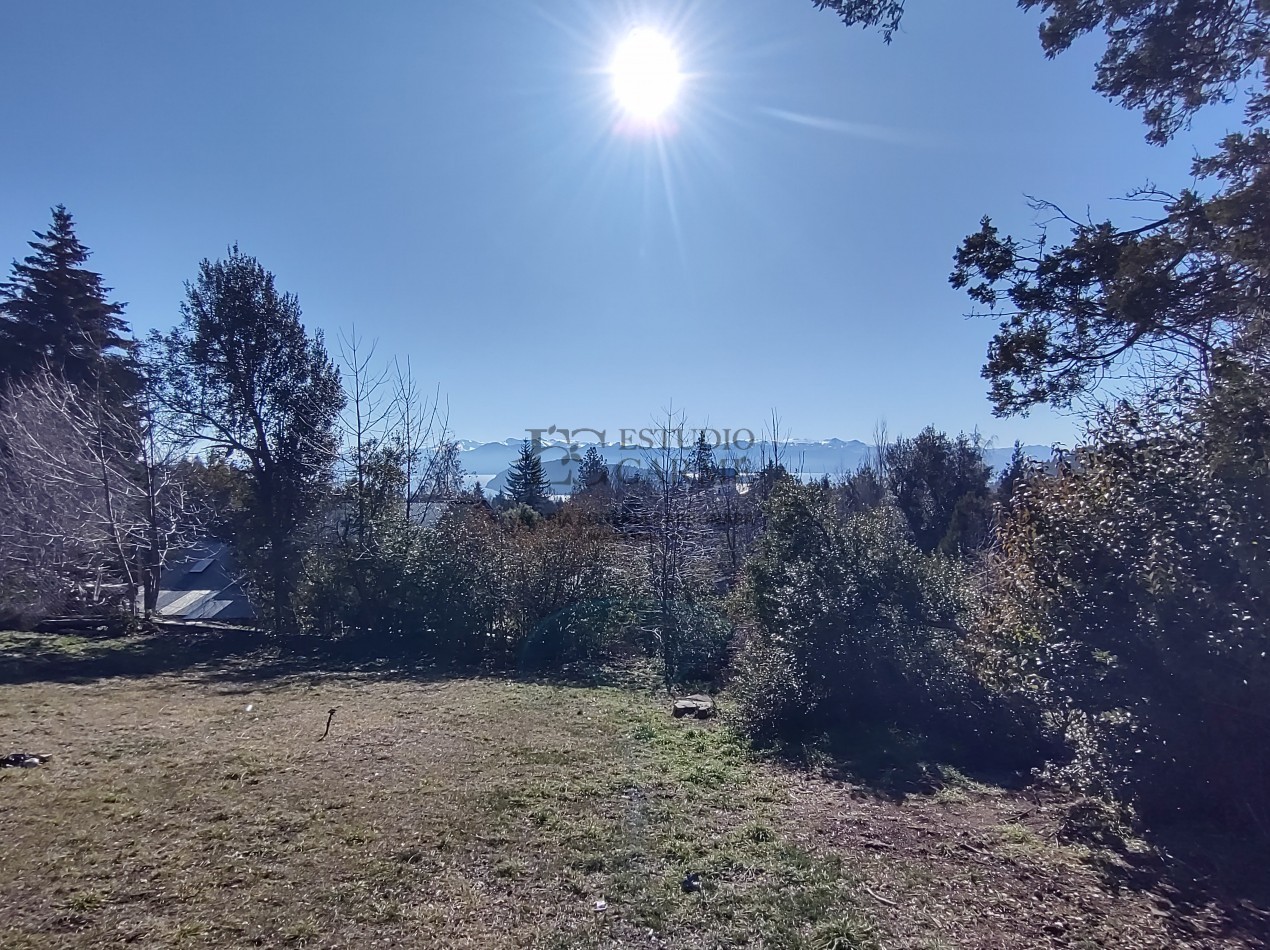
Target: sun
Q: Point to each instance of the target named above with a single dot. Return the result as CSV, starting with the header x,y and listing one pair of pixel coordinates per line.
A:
x,y
646,77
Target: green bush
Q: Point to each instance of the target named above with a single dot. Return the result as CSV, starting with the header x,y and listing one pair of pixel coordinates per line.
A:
x,y
474,589
1130,599
851,626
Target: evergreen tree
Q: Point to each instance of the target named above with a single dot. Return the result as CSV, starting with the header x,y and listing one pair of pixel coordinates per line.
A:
x,y
703,464
1012,475
929,475
241,375
593,472
475,497
527,483
55,313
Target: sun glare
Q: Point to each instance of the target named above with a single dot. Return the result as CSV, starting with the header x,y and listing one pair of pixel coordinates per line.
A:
x,y
646,77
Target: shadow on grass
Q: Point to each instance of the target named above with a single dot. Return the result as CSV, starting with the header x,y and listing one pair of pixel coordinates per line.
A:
x,y
253,656
217,654
893,763
1208,881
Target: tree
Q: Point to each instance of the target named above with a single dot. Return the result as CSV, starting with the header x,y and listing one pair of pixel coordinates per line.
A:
x,y
1165,58
668,522
1151,305
85,527
929,476
55,315
1160,301
1129,597
71,512
704,466
241,374
885,14
527,482
593,472
443,479
1013,475
363,425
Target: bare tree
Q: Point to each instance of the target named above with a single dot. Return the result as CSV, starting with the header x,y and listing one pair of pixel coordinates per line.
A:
x,y
881,440
88,524
430,453
669,524
170,520
398,458
365,417
734,514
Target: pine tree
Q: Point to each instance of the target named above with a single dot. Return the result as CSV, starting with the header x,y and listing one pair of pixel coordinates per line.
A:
x,y
704,466
54,313
593,472
527,483
1012,475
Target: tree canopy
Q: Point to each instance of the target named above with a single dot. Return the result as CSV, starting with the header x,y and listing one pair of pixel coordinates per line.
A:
x,y
241,374
55,314
1155,304
527,483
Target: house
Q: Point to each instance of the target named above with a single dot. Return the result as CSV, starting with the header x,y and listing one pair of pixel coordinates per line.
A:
x,y
201,582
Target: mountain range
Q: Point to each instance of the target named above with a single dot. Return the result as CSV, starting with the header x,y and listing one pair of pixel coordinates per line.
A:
x,y
489,462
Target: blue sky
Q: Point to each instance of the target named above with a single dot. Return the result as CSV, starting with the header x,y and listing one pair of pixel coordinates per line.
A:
x,y
455,181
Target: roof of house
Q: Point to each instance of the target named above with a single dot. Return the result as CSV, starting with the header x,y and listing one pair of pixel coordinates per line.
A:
x,y
202,583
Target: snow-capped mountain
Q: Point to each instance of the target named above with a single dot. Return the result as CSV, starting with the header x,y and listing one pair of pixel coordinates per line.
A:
x,y
488,462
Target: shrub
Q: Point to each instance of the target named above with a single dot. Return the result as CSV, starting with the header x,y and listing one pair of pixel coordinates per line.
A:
x,y
1130,599
475,589
850,625
568,590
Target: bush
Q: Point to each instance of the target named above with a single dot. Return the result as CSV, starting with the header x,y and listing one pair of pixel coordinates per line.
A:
x,y
1130,600
693,639
474,589
852,625
568,590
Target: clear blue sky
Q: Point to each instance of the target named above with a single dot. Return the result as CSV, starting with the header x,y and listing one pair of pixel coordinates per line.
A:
x,y
454,179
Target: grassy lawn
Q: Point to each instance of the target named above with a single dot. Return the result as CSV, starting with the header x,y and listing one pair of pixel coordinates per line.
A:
x,y
187,809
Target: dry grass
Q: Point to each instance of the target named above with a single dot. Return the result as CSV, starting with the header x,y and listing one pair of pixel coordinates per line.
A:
x,y
481,813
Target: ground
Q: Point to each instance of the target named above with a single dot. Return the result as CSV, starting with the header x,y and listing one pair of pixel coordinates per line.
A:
x,y
196,803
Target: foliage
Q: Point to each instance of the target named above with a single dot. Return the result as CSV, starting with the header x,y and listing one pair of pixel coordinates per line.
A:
x,y
885,14
851,624
570,591
1164,58
941,486
1167,59
703,465
475,590
673,522
241,375
593,473
1012,475
1159,301
1130,598
1154,303
519,515
527,483
55,317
